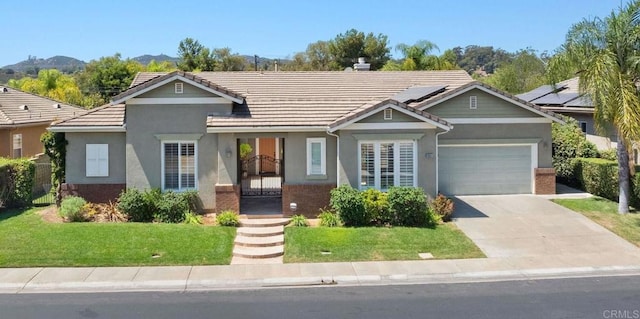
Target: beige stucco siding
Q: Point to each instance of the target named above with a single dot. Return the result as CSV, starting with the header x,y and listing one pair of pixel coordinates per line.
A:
x,y
396,117
76,157
148,125
504,134
489,106
31,144
426,166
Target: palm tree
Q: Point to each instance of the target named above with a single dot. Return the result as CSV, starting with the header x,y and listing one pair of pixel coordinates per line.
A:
x,y
605,54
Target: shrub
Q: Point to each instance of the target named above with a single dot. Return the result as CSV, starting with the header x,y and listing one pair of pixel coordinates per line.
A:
x,y
409,206
568,143
136,205
597,176
192,218
442,206
611,155
171,208
74,209
299,221
16,182
329,219
376,206
349,205
228,218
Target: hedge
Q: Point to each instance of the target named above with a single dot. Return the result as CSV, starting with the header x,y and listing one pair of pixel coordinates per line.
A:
x,y
600,177
16,182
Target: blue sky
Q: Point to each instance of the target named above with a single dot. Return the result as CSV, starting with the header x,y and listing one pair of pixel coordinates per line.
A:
x,y
90,29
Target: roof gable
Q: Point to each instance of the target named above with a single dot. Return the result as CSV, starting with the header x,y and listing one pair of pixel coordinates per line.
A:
x,y
160,81
513,100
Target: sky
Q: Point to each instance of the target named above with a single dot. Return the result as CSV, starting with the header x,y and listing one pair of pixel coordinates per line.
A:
x,y
90,29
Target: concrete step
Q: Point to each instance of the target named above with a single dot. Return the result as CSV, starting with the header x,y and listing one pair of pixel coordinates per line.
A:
x,y
246,241
235,260
260,231
264,222
258,252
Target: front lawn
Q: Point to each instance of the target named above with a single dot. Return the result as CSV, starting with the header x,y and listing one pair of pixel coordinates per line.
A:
x,y
27,241
605,213
323,244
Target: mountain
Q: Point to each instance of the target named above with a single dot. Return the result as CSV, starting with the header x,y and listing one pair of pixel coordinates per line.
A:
x,y
32,64
145,59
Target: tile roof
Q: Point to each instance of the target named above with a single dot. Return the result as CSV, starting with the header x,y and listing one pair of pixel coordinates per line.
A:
x,y
20,108
107,115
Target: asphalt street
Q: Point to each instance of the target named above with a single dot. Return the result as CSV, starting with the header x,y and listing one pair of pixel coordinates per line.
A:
x,y
597,297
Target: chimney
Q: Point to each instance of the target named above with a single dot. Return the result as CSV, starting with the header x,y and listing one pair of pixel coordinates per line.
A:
x,y
361,65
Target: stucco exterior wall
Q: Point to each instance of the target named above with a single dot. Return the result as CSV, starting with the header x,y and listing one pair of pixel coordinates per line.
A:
x,y
425,154
295,159
31,144
76,157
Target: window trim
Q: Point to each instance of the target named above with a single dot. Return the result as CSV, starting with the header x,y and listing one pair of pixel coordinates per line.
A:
x,y
179,88
396,162
473,102
13,145
388,114
323,156
162,165
98,171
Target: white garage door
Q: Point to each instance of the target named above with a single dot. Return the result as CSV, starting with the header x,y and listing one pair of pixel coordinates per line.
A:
x,y
484,170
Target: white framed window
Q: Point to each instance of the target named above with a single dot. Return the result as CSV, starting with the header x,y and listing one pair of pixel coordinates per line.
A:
x,y
179,88
179,165
316,156
473,102
384,164
388,114
97,160
17,145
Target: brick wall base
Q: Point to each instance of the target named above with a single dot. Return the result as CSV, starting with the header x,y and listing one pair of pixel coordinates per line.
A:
x,y
94,193
545,182
309,198
228,198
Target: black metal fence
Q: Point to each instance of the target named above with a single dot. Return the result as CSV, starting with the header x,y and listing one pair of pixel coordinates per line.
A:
x,y
41,192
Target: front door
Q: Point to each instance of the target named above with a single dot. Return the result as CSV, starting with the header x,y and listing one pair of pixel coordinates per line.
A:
x,y
267,149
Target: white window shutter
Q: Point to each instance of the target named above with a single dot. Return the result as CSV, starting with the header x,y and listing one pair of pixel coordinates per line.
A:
x,y
97,160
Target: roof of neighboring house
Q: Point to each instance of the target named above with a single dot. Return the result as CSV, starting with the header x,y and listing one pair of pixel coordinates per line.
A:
x,y
22,108
563,94
107,115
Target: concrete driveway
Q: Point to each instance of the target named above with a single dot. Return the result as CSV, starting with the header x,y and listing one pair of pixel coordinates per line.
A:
x,y
531,226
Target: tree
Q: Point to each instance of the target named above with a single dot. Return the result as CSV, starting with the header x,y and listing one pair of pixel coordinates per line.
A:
x,y
604,51
164,66
108,76
346,48
227,61
474,57
194,56
319,56
55,146
53,84
524,73
417,56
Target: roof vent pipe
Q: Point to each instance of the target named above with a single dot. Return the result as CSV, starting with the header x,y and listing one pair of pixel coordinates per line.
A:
x,y
361,65
5,90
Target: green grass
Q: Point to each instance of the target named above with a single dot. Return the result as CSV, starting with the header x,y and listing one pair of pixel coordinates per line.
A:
x,y
27,241
605,213
306,244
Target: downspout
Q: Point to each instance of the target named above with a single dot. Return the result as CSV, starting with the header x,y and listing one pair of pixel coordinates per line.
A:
x,y
337,156
438,161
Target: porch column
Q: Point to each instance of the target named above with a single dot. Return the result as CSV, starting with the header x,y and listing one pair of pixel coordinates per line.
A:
x,y
227,189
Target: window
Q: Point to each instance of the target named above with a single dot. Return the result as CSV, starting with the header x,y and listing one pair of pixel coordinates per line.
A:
x,y
316,156
583,126
473,102
387,163
179,166
17,145
388,114
179,89
97,164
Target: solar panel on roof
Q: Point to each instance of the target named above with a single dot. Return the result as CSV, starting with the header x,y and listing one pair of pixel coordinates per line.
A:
x,y
581,101
555,99
417,93
539,92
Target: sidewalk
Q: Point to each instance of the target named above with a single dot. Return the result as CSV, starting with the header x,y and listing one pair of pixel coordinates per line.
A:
x,y
197,278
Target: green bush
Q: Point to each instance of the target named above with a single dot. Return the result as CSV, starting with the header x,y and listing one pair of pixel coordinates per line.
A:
x,y
442,206
228,218
349,205
376,206
171,208
137,205
16,182
192,218
569,143
298,221
409,206
597,176
72,209
611,155
329,219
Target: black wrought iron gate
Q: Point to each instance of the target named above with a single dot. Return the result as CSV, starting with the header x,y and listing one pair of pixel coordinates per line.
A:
x,y
262,175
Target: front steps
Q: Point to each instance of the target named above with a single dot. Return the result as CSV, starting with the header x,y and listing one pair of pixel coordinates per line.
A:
x,y
259,241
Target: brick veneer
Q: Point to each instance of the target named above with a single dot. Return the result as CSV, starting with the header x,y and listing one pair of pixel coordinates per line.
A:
x,y
309,197
228,198
545,182
94,193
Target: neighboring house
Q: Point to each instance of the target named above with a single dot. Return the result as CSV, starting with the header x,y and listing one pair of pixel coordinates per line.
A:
x,y
310,131
565,98
23,119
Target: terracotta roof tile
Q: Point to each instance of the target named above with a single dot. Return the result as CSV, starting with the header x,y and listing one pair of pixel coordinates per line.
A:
x,y
18,107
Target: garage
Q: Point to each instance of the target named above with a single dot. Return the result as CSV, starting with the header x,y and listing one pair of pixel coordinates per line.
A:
x,y
485,169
